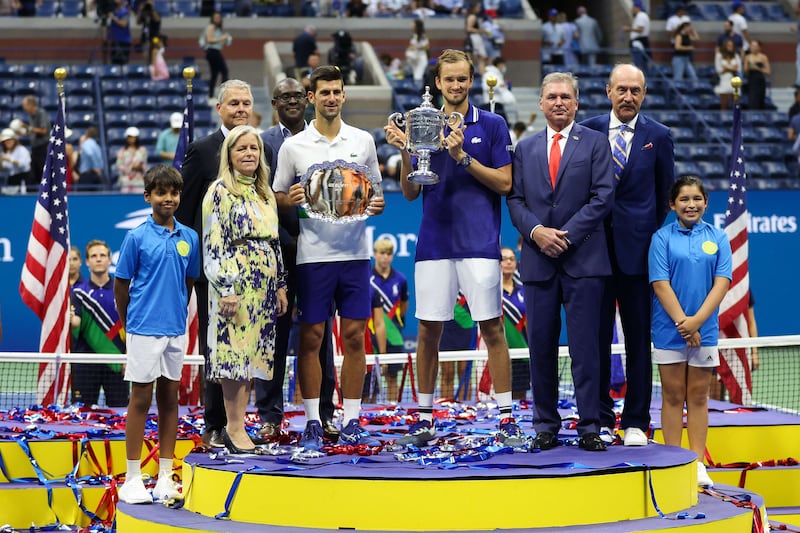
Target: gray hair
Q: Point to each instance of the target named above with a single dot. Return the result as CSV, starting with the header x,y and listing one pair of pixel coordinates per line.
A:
x,y
561,77
232,84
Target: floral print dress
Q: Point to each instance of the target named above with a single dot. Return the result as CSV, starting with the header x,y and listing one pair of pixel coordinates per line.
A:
x,y
241,256
131,164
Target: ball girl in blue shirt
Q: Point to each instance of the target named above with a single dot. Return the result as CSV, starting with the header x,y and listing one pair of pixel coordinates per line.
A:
x,y
690,270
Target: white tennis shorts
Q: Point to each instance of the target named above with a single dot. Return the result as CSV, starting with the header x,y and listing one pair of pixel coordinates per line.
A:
x,y
700,356
149,358
437,284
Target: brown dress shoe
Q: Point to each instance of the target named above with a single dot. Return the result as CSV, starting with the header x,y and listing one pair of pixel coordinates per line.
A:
x,y
268,433
329,430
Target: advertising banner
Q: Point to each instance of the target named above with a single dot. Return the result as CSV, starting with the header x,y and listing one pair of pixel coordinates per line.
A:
x,y
773,233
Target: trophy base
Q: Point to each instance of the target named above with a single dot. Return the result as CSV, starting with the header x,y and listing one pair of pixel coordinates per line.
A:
x,y
423,178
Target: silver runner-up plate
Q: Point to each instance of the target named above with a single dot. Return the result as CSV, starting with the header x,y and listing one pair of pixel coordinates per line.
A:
x,y
339,192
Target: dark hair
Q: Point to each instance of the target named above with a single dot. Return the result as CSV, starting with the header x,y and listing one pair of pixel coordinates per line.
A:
x,y
211,18
687,181
325,73
419,27
162,175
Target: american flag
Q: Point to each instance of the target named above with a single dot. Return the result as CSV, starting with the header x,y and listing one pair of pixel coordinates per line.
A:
x,y
186,136
45,277
734,368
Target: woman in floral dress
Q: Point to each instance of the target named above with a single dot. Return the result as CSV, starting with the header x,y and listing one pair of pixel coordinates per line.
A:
x,y
243,263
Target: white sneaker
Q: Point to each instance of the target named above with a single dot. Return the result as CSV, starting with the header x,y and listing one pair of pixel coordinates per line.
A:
x,y
635,437
702,476
133,491
165,490
607,435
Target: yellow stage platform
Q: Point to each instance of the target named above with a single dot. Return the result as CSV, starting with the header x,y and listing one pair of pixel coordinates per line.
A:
x,y
566,487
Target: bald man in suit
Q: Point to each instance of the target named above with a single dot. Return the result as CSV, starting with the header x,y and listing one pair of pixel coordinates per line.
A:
x,y
562,189
641,205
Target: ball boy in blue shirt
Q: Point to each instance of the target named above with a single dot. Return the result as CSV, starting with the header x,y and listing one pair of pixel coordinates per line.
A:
x,y
158,263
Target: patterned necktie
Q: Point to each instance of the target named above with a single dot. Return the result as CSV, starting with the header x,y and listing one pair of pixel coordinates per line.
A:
x,y
618,152
555,159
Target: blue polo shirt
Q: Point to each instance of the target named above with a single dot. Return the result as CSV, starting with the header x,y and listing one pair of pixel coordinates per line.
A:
x,y
386,293
689,259
461,216
158,262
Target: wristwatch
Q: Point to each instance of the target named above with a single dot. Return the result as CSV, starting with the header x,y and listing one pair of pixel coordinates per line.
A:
x,y
465,161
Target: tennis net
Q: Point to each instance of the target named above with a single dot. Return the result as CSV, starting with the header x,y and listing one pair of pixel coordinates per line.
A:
x,y
776,382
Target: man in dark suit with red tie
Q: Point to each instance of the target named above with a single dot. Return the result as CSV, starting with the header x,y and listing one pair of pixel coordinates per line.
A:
x,y
563,188
644,171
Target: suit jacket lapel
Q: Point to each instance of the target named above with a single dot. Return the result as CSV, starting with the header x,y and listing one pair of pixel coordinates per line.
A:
x,y
569,148
541,148
639,138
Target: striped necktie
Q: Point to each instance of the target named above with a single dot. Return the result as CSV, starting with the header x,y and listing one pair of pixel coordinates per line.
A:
x,y
618,151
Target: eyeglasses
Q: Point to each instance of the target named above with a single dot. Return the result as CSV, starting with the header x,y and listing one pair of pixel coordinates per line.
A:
x,y
286,98
508,258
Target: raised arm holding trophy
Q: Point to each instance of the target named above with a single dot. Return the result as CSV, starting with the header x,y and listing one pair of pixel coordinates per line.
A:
x,y
425,135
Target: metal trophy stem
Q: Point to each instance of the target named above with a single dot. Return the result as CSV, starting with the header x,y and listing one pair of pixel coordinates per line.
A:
x,y
425,132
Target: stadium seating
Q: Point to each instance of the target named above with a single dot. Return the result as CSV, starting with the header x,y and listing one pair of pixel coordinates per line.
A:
x,y
684,168
184,8
683,134
70,8
78,87
118,119
48,8
171,102
143,102
81,119
713,170
510,9
776,169
114,86
116,102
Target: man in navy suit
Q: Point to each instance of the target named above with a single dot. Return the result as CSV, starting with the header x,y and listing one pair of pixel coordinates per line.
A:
x,y
200,168
289,101
560,214
640,207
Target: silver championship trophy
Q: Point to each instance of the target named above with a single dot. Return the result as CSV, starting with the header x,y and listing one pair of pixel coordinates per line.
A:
x,y
339,192
425,133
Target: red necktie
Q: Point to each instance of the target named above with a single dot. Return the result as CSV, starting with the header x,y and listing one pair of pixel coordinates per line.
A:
x,y
555,159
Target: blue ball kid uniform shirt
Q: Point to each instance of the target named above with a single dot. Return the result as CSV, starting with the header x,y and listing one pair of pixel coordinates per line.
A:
x,y
689,259
158,261
461,216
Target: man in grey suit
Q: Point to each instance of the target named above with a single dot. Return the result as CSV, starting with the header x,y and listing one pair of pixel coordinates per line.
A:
x,y
200,169
289,102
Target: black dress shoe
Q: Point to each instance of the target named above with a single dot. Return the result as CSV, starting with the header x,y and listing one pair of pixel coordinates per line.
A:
x,y
591,442
545,441
329,430
235,450
269,432
213,438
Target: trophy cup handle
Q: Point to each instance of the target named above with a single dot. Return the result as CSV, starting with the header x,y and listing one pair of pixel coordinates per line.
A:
x,y
455,120
398,119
